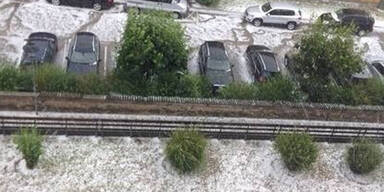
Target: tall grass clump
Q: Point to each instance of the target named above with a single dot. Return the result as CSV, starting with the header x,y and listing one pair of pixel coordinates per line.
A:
x,y
9,76
29,142
364,156
297,150
53,79
185,150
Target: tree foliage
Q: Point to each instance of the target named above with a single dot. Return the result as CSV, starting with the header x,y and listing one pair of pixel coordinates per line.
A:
x,y
153,49
325,54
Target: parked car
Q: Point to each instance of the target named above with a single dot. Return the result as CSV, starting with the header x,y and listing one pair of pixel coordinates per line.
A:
x,y
363,20
274,13
178,8
84,54
40,48
262,62
95,4
214,64
377,69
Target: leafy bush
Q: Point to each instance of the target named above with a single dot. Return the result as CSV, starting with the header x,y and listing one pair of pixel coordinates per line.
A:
x,y
53,79
29,142
153,50
185,150
243,91
275,89
208,2
9,77
364,156
193,86
92,84
278,89
297,150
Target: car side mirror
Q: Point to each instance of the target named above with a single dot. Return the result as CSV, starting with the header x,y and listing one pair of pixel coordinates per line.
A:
x,y
99,60
67,58
268,14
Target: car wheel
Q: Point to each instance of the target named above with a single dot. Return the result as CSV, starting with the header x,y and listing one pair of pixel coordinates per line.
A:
x,y
361,33
257,22
176,15
56,2
291,26
97,6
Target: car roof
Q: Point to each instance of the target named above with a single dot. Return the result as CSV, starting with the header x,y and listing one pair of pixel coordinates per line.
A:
x,y
350,11
283,5
216,48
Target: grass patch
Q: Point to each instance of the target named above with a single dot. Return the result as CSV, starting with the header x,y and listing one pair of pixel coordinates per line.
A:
x,y
29,142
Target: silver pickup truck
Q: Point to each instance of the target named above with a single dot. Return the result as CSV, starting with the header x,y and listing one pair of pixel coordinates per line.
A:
x,y
178,8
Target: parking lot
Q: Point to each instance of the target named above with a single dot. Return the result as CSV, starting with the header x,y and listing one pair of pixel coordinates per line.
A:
x,y
20,18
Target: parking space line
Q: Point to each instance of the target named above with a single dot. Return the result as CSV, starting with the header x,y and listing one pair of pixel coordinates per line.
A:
x,y
105,60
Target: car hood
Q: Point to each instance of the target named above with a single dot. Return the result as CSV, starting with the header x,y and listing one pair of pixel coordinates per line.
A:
x,y
79,68
219,77
254,10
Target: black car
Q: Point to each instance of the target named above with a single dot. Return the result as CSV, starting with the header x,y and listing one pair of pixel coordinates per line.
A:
x,y
84,54
364,21
214,64
40,48
95,4
262,62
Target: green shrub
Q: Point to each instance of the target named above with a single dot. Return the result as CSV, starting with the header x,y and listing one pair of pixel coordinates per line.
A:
x,y
53,79
9,76
297,150
29,142
92,84
278,89
243,91
185,150
193,86
152,51
364,156
208,2
275,89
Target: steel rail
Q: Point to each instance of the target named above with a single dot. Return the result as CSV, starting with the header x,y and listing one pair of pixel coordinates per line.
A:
x,y
87,126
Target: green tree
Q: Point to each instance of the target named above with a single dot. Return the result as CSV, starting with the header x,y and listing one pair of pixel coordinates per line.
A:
x,y
325,54
153,49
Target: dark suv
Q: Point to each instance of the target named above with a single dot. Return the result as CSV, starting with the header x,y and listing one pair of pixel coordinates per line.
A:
x,y
95,4
363,20
40,48
262,62
214,64
84,54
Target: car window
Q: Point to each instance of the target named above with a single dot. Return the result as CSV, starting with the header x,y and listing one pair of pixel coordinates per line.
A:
x,y
270,62
84,44
287,12
276,12
266,7
379,68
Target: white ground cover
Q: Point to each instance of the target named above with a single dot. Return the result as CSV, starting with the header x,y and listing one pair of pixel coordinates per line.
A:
x,y
139,164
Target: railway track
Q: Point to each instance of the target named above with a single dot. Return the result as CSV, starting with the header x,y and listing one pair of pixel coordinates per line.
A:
x,y
162,126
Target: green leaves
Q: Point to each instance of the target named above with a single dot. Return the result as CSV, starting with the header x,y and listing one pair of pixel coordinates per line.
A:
x,y
297,150
364,156
185,150
29,142
153,45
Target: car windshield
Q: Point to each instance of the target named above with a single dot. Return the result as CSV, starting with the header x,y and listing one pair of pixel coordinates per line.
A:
x,y
266,7
218,64
83,58
270,62
84,44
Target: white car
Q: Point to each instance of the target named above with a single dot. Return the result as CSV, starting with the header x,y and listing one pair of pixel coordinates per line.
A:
x,y
274,13
178,8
